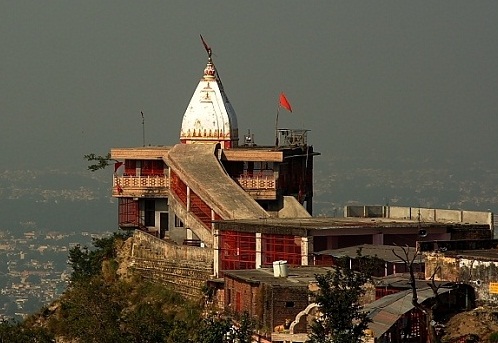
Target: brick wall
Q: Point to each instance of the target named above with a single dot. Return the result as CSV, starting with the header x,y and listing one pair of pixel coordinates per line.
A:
x,y
242,297
185,269
287,303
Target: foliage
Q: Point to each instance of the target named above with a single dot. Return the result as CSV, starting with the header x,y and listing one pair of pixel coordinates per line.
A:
x,y
121,311
213,329
342,319
493,337
15,332
97,308
101,161
90,310
87,263
243,333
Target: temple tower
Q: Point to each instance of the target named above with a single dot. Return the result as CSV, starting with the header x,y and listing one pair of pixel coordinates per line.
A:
x,y
209,117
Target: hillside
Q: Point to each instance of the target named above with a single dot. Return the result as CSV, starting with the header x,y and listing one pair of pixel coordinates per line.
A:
x,y
104,303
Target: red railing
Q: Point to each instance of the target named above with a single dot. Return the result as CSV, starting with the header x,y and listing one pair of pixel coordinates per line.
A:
x,y
237,250
200,209
179,188
281,247
128,213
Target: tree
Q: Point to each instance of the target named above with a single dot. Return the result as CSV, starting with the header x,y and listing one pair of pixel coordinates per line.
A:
x,y
244,330
102,162
430,306
213,329
91,310
87,263
342,319
15,332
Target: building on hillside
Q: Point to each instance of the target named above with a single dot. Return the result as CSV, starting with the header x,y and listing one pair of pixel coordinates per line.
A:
x,y
177,191
240,205
396,319
256,243
389,254
472,262
273,297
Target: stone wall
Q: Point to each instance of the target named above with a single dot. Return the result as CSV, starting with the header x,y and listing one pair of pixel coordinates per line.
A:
x,y
482,275
184,268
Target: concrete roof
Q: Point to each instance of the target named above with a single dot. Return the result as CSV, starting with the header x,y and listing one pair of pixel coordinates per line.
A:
x,y
317,226
297,276
402,280
384,252
154,152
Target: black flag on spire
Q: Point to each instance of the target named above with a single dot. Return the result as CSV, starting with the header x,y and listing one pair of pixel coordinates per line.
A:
x,y
208,49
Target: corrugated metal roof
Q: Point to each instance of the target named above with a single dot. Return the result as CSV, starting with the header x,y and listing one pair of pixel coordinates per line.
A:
x,y
386,311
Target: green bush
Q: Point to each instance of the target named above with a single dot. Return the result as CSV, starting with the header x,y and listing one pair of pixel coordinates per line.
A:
x,y
493,337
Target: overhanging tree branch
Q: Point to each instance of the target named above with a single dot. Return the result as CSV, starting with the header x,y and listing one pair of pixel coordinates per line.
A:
x,y
102,161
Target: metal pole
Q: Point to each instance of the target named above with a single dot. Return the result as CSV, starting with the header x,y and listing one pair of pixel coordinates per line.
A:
x,y
276,128
143,128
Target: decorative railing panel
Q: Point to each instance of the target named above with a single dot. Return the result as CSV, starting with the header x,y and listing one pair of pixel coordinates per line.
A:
x,y
249,182
140,181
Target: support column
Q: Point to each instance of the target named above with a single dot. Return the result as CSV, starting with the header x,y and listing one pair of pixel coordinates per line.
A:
x,y
216,252
306,251
213,216
188,199
259,255
378,239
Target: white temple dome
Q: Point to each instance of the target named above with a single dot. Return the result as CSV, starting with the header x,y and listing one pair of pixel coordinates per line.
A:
x,y
209,116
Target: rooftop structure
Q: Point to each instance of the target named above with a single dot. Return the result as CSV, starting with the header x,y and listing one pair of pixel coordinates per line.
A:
x,y
250,204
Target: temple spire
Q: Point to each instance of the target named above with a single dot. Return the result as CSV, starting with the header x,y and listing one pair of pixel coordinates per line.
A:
x,y
209,116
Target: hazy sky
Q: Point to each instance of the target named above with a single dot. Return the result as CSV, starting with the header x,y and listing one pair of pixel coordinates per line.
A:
x,y
370,78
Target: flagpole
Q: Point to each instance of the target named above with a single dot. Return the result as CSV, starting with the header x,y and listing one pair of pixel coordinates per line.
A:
x,y
143,128
276,127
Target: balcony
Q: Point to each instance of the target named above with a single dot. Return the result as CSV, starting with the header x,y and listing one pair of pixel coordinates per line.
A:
x,y
140,186
260,187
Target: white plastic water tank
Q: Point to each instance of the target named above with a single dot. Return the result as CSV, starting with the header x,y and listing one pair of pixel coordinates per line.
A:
x,y
280,269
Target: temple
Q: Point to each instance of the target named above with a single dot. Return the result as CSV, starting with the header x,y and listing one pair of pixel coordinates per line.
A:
x,y
220,211
249,205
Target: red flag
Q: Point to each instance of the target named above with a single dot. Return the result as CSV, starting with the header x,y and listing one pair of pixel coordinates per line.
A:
x,y
285,103
117,165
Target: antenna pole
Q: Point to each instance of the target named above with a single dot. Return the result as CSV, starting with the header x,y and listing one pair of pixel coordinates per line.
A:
x,y
143,128
276,128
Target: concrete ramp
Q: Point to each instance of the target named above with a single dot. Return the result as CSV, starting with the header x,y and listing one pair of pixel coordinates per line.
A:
x,y
292,209
199,168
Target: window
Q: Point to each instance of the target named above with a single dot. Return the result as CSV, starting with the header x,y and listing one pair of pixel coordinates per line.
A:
x,y
150,212
178,222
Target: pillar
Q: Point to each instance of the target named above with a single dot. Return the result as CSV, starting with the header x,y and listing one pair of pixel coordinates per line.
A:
x,y
306,250
216,252
259,255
